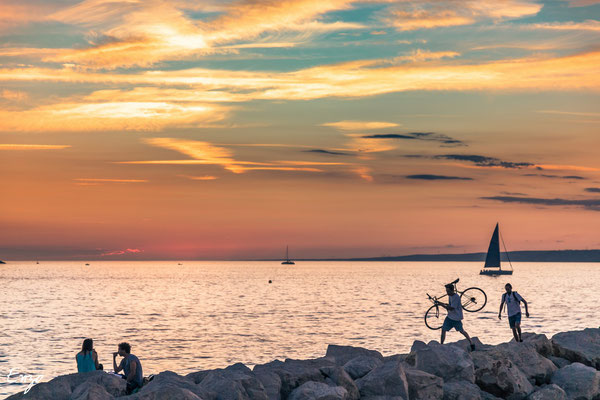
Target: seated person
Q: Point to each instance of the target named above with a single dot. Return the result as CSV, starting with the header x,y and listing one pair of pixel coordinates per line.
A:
x,y
87,358
131,367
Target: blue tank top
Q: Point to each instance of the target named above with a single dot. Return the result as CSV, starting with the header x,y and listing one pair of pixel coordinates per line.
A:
x,y
85,363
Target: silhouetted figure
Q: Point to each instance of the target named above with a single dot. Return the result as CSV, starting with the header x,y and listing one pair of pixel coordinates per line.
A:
x,y
455,315
513,309
131,367
87,358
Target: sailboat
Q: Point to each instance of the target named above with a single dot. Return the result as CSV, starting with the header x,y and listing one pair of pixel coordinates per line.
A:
x,y
492,265
287,258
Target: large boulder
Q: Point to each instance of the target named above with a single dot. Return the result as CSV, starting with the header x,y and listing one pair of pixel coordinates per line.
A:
x,y
388,380
499,376
361,365
291,373
342,354
559,361
169,383
90,391
548,392
234,382
540,342
318,391
424,386
579,346
449,362
337,376
62,387
537,368
578,381
462,390
466,346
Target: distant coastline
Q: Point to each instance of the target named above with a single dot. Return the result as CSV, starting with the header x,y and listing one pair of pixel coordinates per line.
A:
x,y
518,256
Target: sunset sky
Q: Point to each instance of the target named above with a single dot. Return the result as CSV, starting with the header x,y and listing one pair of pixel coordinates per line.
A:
x,y
149,129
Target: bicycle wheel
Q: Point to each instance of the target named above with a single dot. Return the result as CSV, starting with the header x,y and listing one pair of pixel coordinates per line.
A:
x,y
434,317
473,299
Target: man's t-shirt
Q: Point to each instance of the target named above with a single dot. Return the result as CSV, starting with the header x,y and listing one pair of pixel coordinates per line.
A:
x,y
456,313
125,364
513,303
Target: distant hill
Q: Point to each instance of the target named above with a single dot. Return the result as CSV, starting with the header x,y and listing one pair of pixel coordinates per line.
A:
x,y
523,256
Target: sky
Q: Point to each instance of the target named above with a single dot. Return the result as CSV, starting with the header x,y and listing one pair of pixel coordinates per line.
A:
x,y
149,129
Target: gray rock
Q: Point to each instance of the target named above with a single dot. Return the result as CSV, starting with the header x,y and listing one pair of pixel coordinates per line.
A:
x,y
548,392
271,382
466,346
90,391
578,381
361,365
388,379
579,346
343,354
499,376
461,390
165,393
446,361
292,373
540,342
234,382
167,382
318,391
559,361
537,368
423,386
337,376
62,387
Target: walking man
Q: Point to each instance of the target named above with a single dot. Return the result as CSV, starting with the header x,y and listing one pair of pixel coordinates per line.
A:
x,y
513,309
455,315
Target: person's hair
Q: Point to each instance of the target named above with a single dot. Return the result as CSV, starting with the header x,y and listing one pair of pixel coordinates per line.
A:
x,y
87,346
450,286
509,285
125,347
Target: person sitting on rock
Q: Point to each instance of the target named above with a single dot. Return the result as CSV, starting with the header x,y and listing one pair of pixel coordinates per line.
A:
x,y
87,358
513,309
455,315
131,367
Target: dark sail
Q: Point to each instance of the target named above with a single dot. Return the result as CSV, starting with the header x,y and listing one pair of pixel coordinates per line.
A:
x,y
493,255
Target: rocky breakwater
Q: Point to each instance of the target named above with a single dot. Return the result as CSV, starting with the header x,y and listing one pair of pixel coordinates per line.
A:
x,y
564,367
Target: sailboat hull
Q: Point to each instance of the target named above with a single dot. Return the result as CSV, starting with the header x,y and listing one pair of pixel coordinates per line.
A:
x,y
288,263
495,272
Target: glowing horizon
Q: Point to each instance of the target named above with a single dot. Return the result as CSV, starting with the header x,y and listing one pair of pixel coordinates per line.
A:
x,y
230,129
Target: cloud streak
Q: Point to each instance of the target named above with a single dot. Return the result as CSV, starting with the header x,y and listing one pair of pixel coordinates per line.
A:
x,y
590,204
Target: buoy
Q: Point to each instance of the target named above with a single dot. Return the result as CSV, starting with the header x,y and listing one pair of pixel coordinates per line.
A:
x,y
270,281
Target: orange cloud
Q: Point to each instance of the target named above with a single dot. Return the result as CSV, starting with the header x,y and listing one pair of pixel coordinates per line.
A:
x,y
103,180
360,125
33,146
428,14
120,252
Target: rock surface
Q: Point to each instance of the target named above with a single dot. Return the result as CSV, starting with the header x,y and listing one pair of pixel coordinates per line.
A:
x,y
537,369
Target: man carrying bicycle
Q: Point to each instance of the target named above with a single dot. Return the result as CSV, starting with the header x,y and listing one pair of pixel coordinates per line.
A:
x,y
455,315
513,309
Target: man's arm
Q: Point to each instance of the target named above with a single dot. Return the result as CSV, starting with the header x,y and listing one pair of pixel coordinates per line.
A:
x,y
132,368
526,309
115,367
500,311
95,355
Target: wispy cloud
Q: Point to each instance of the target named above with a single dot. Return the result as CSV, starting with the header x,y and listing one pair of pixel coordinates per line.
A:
x,y
428,14
445,140
484,161
360,125
120,252
33,146
429,177
590,204
592,190
327,152
110,180
567,177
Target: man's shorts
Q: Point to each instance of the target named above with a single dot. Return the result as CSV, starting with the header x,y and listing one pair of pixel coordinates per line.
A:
x,y
450,323
515,319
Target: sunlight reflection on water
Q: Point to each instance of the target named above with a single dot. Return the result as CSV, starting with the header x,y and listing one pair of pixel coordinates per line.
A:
x,y
204,315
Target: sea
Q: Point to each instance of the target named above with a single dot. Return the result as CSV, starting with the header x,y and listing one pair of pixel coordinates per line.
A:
x,y
187,316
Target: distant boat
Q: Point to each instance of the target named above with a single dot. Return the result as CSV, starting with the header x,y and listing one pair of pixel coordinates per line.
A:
x,y
287,258
87,265
37,262
492,265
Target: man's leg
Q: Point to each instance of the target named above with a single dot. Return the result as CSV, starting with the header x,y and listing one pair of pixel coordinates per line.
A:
x,y
518,326
465,334
443,336
515,334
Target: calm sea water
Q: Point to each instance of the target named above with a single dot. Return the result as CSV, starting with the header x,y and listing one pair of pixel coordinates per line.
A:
x,y
203,315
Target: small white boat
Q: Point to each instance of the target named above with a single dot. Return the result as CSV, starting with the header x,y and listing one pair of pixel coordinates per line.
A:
x,y
492,265
287,258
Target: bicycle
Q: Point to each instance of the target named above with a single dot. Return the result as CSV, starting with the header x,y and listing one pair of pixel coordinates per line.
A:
x,y
472,299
